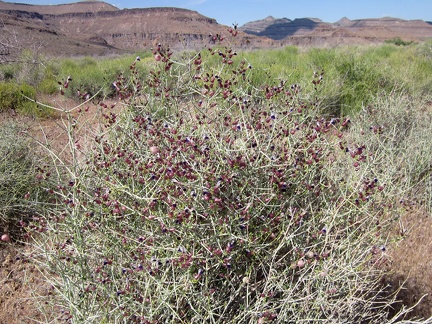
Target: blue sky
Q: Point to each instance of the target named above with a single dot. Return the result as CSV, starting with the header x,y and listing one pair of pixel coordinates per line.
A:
x,y
241,11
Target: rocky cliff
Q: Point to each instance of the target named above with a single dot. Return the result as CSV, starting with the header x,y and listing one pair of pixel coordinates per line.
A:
x,y
84,6
80,28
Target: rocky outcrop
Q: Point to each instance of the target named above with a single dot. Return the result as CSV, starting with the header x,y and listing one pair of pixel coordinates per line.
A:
x,y
23,14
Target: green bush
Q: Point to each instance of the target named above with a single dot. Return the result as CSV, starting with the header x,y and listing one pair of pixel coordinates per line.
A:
x,y
424,50
398,41
19,98
353,75
8,96
95,75
7,73
49,83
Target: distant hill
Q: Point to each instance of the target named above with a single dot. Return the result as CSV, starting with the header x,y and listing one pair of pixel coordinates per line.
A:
x,y
83,6
94,27
315,32
279,29
99,28
260,27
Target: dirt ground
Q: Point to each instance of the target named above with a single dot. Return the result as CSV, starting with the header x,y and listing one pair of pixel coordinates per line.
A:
x,y
23,287
411,264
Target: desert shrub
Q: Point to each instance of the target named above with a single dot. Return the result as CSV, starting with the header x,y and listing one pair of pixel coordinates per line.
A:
x,y
382,52
91,75
398,41
322,58
282,63
398,127
18,179
361,79
18,97
353,75
8,96
211,200
424,50
7,72
30,68
48,84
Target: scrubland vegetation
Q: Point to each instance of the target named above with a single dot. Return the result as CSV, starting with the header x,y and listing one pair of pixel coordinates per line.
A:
x,y
225,186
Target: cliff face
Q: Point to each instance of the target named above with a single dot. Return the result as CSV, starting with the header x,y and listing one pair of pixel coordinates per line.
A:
x,y
21,30
86,26
137,28
87,6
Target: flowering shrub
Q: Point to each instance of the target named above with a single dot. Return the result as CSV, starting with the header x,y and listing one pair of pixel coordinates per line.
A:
x,y
209,198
